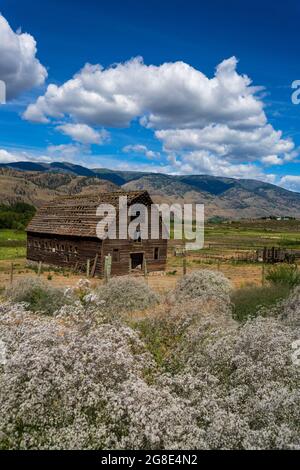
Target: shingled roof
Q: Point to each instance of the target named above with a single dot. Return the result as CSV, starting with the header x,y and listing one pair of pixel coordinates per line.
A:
x,y
76,215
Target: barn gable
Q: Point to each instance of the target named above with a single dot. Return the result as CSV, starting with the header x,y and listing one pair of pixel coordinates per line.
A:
x,y
76,215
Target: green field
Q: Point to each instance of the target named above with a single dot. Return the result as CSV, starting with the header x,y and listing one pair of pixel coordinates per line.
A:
x,y
253,235
219,238
12,244
12,252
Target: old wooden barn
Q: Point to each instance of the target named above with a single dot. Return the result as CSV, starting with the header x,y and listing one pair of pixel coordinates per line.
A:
x,y
63,233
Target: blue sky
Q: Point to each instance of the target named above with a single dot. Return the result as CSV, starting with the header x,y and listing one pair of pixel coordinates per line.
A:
x,y
166,89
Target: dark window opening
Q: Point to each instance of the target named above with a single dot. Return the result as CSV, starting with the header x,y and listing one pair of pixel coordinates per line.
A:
x,y
156,253
137,260
116,255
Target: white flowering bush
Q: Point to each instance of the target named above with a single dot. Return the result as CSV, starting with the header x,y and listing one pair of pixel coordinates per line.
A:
x,y
290,309
126,294
186,377
240,381
83,388
38,296
202,284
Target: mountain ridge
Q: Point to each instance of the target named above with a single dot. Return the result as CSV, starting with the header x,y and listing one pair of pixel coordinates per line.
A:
x,y
222,196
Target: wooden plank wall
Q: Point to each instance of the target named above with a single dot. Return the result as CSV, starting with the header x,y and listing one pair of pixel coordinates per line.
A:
x,y
126,247
63,251
67,252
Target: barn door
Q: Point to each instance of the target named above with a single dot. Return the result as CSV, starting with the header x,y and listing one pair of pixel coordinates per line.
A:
x,y
137,260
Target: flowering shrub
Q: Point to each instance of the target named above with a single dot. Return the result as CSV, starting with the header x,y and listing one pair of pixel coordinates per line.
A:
x,y
188,377
290,309
75,387
202,284
165,328
126,294
38,295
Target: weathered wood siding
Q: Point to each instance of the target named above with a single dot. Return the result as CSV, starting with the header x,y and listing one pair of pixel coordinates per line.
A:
x,y
127,247
71,251
63,251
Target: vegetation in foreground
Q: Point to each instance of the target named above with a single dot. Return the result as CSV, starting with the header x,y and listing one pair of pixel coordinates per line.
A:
x,y
188,376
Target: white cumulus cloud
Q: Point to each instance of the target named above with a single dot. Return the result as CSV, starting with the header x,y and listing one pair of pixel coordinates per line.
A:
x,y
216,125
291,182
141,150
202,162
171,95
20,69
230,144
83,133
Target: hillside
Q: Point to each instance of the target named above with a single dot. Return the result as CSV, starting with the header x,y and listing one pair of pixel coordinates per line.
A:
x,y
226,197
37,188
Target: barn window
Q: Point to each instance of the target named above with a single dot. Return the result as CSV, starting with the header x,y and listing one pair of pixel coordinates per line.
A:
x,y
116,255
156,253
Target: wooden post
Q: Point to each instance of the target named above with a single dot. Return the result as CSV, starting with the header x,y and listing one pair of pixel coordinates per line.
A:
x,y
145,267
107,268
12,273
184,264
109,262
88,264
94,266
76,267
263,277
39,269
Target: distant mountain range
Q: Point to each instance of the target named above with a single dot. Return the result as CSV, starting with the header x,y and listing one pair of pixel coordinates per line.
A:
x,y
37,183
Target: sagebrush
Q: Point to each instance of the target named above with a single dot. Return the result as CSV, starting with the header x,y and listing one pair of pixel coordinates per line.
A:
x,y
203,284
38,295
188,376
126,294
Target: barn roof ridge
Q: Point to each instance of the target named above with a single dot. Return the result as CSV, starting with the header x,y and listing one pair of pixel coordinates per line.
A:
x,y
78,218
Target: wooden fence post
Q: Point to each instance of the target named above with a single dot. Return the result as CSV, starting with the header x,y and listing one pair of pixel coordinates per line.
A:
x,y
88,264
263,277
39,269
107,268
76,267
145,267
93,272
12,273
184,264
